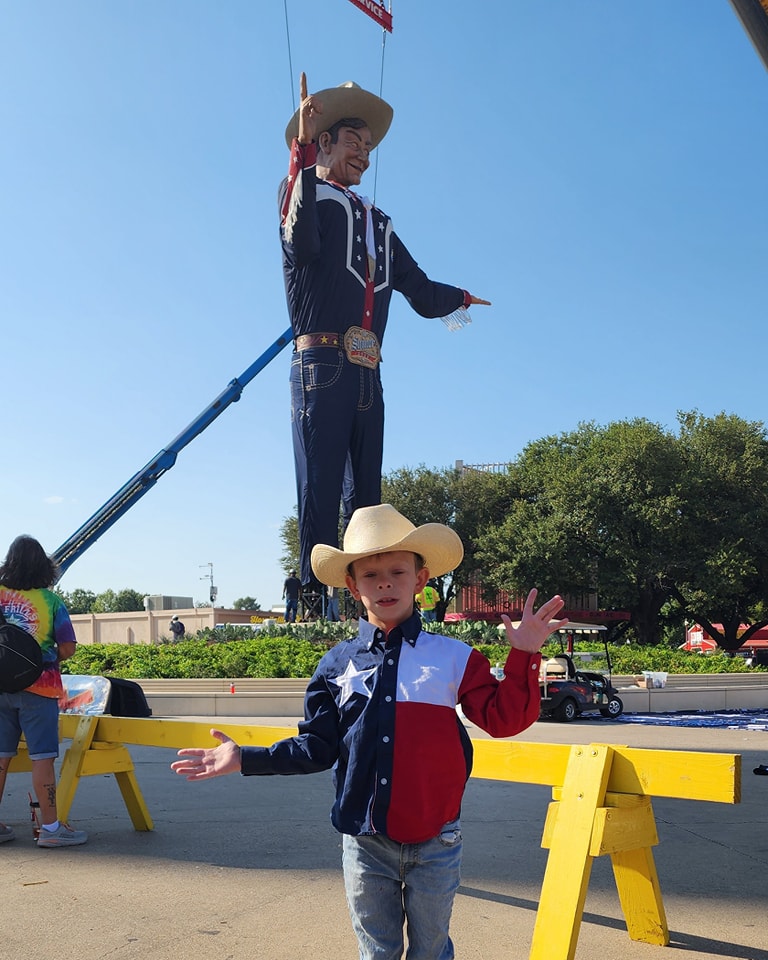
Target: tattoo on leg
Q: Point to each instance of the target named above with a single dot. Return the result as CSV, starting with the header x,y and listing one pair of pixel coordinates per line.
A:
x,y
50,789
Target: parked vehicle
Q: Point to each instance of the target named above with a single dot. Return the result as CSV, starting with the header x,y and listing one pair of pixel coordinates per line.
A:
x,y
568,691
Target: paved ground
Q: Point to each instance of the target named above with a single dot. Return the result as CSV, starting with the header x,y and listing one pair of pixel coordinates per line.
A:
x,y
248,869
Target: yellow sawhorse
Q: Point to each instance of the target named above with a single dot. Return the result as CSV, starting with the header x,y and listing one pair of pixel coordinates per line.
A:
x,y
99,747
601,806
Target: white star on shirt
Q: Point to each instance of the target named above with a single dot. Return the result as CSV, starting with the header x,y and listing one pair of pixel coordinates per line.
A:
x,y
358,215
353,681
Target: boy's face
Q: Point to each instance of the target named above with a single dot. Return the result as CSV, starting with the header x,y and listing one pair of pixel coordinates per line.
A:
x,y
386,584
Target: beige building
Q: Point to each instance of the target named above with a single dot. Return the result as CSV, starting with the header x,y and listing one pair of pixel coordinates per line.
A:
x,y
152,626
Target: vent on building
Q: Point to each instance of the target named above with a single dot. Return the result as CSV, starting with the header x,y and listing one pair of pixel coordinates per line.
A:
x,y
158,602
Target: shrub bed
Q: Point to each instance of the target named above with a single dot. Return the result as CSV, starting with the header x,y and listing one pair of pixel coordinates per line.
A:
x,y
294,650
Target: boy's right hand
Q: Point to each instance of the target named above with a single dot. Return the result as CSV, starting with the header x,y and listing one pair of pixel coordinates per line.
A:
x,y
199,764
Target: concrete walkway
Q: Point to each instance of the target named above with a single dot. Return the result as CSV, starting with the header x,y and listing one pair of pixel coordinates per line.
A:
x,y
248,869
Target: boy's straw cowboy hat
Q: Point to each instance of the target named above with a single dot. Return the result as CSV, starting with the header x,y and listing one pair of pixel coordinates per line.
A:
x,y
346,102
382,529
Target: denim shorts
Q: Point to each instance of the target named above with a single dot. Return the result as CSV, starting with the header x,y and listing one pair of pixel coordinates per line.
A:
x,y
36,717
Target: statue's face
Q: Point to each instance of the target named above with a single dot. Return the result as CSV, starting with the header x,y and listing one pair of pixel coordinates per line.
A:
x,y
348,158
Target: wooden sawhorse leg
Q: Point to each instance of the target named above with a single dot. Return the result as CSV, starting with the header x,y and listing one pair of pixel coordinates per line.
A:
x,y
84,759
584,823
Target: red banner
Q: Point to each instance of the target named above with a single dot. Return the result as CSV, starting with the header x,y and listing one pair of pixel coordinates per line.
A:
x,y
376,11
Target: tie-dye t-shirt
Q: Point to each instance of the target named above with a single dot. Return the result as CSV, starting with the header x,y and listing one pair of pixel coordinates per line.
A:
x,y
43,614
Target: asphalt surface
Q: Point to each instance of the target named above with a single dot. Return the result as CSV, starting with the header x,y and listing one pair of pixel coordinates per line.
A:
x,y
249,869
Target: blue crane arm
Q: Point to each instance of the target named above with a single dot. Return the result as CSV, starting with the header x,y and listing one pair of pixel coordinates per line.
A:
x,y
754,18
147,477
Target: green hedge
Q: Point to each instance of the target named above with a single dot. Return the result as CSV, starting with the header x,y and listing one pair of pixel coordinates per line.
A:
x,y
294,650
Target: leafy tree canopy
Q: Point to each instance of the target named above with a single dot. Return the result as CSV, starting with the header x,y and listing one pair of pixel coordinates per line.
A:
x,y
664,524
121,602
110,601
78,601
246,603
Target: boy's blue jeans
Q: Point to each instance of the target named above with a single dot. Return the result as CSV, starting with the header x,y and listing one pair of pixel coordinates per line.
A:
x,y
390,884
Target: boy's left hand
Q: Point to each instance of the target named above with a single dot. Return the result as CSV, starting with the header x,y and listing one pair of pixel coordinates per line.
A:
x,y
532,631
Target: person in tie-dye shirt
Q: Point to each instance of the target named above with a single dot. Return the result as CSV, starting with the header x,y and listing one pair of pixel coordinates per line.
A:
x,y
26,575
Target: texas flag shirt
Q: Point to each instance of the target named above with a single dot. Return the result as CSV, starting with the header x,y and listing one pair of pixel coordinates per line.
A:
x,y
382,712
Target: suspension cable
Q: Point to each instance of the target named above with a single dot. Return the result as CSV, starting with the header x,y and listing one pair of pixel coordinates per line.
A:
x,y
381,91
292,83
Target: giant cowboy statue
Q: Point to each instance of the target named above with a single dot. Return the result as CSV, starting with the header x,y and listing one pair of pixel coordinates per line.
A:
x,y
342,259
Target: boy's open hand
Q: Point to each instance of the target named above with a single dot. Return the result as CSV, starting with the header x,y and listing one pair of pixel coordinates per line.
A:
x,y
203,764
529,635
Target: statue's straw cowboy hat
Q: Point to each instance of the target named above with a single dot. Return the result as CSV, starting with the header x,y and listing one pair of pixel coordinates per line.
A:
x,y
382,529
346,102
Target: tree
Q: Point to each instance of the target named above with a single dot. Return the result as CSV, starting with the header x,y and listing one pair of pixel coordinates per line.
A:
x,y
246,603
642,516
120,602
128,600
449,496
104,602
597,508
289,534
78,601
424,496
726,522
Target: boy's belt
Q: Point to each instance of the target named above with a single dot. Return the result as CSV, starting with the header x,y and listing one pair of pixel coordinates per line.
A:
x,y
360,346
307,340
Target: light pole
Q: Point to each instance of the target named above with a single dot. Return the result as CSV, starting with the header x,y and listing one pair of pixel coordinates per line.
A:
x,y
213,591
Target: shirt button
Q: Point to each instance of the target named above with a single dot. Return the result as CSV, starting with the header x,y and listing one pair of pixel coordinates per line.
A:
x,y
390,662
533,666
383,780
385,739
388,699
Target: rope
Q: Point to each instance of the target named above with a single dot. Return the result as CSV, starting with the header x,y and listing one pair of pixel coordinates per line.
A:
x,y
381,90
290,58
381,80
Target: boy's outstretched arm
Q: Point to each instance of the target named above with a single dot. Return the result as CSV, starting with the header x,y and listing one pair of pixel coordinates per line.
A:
x,y
532,631
199,764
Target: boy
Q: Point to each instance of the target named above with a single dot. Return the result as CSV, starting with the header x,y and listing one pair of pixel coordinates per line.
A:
x,y
381,710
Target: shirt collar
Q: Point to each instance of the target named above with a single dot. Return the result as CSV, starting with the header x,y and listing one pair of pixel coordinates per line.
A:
x,y
408,630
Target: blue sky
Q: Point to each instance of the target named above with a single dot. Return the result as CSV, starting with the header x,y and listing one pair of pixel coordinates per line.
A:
x,y
596,169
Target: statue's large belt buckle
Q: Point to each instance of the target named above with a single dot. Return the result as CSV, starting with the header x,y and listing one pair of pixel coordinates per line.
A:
x,y
362,347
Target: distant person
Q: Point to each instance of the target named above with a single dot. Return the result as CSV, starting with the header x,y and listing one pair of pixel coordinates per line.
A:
x,y
381,710
332,606
291,595
427,601
26,576
177,627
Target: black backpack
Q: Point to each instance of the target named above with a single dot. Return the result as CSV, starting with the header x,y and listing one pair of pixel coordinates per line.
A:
x,y
21,657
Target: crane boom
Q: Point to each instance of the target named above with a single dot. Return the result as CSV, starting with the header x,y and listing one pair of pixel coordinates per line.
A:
x,y
147,477
754,18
